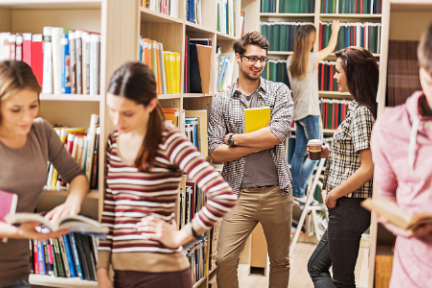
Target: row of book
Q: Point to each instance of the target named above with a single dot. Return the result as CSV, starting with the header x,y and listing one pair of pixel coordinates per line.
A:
x,y
225,73
333,112
193,11
402,71
281,35
167,7
197,256
366,35
351,6
64,61
72,255
276,71
83,145
226,17
326,71
295,6
192,199
197,68
165,65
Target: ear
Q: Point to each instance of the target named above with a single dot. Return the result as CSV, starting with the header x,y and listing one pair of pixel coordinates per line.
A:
x,y
152,105
238,58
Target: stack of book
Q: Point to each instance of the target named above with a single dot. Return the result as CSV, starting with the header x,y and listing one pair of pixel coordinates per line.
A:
x,y
167,7
403,71
192,199
197,256
64,61
326,71
355,6
281,35
276,71
268,6
333,112
196,129
73,255
226,17
366,35
197,68
193,11
172,116
377,6
295,6
83,145
165,65
328,6
225,71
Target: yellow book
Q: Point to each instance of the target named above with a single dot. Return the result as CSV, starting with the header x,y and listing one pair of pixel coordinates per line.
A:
x,y
168,72
178,62
256,118
173,77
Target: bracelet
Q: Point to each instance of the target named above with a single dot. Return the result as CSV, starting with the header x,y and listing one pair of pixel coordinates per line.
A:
x,y
193,231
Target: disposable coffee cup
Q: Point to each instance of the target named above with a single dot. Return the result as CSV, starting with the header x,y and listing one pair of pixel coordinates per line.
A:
x,y
315,149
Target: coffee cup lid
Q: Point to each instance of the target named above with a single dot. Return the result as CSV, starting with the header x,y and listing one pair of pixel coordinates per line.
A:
x,y
315,142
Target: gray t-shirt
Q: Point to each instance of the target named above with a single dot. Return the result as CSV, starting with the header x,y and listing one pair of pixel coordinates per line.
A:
x,y
24,171
305,91
260,169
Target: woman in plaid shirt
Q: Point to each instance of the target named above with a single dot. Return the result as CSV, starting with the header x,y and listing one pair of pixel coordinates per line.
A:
x,y
349,172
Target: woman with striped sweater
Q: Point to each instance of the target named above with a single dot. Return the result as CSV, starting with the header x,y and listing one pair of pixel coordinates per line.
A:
x,y
145,162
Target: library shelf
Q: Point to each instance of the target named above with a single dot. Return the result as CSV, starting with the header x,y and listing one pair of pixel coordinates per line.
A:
x,y
212,270
223,36
64,191
329,131
199,95
198,283
346,15
52,4
334,94
196,28
280,53
169,96
148,15
69,97
60,282
293,15
377,55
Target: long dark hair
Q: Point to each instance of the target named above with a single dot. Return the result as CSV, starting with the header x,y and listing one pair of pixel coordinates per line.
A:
x,y
304,40
136,82
361,70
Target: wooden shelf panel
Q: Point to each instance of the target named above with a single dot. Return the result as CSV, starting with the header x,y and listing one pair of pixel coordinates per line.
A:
x,y
334,94
280,53
332,55
199,282
64,191
349,15
199,95
223,36
305,15
148,15
69,97
45,280
169,96
51,4
195,28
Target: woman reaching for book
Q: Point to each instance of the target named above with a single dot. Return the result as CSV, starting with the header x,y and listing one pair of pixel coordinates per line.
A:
x,y
145,162
349,172
303,75
27,143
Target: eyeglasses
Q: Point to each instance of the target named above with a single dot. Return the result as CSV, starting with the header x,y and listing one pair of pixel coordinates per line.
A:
x,y
254,59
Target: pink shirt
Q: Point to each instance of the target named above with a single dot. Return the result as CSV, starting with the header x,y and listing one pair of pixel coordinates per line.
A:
x,y
402,153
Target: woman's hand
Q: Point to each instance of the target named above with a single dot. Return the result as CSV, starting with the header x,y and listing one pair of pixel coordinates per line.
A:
x,y
325,151
154,228
335,26
28,231
103,278
330,200
69,208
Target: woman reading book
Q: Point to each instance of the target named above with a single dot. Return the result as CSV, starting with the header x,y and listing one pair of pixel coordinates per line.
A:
x,y
349,172
145,162
303,75
27,143
403,168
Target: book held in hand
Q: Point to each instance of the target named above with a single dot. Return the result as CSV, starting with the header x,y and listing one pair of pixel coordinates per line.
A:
x,y
77,223
256,118
8,204
395,215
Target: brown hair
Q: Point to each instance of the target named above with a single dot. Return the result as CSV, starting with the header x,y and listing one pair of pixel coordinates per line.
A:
x,y
16,76
136,82
361,71
251,38
304,40
424,50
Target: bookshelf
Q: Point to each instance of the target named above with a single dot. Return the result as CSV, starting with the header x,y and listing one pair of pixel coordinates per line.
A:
x,y
402,20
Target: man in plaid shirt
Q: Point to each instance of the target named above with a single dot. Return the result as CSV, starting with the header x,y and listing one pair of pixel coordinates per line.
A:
x,y
255,164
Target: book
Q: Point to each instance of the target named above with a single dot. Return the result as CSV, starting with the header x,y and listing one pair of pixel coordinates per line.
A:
x,y
75,223
256,118
395,215
8,204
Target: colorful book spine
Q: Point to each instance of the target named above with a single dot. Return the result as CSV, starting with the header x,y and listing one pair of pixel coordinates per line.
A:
x,y
281,34
73,244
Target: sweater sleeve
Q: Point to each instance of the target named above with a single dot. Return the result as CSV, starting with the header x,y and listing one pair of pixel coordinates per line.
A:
x,y
220,196
105,246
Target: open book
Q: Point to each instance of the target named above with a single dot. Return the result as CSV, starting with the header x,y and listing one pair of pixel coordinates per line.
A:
x,y
256,118
78,223
395,215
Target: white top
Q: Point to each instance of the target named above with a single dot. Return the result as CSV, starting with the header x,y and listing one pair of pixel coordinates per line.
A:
x,y
305,91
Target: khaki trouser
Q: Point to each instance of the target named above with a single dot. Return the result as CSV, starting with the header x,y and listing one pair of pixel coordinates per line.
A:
x,y
274,212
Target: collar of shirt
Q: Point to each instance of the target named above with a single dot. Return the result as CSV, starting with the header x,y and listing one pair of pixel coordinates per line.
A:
x,y
262,90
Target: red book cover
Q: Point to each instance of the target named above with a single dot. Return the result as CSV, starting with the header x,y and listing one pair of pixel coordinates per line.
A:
x,y
320,37
8,204
35,257
37,57
344,111
331,77
361,6
27,43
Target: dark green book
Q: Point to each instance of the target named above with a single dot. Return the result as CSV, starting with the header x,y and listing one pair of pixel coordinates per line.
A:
x,y
276,37
296,6
283,38
329,115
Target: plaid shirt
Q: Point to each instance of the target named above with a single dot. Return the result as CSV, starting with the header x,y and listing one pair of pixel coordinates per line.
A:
x,y
352,135
227,116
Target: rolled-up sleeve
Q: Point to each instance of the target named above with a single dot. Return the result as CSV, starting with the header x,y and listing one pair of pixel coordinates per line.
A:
x,y
216,125
282,114
362,128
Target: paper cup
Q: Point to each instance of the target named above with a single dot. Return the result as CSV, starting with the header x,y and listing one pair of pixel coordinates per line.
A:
x,y
315,149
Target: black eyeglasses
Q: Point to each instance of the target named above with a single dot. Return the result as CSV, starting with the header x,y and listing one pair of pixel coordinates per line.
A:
x,y
254,59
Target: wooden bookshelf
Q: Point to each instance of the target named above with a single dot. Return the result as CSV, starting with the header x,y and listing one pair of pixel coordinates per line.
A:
x,y
402,20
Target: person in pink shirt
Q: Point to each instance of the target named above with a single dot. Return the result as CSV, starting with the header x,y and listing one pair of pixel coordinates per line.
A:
x,y
401,151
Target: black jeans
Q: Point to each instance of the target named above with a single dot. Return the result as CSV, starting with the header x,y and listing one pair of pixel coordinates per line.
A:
x,y
339,245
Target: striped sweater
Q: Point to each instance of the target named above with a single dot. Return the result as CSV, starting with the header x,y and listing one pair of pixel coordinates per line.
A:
x,y
131,195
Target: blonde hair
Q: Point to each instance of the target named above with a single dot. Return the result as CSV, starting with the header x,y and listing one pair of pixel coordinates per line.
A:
x,y
304,40
16,76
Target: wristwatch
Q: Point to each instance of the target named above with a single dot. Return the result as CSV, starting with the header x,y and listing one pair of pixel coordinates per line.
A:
x,y
231,141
